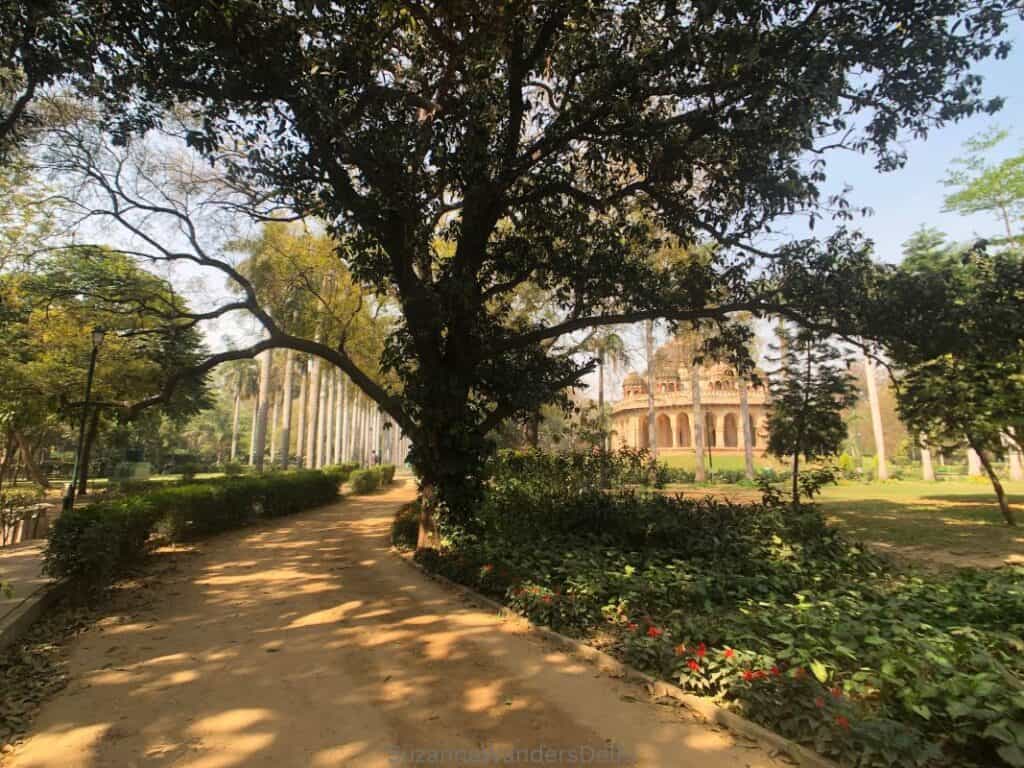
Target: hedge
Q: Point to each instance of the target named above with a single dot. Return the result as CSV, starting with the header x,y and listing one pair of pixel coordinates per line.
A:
x,y
372,478
89,546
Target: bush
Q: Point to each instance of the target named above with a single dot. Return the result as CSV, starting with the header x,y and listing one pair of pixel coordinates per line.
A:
x,y
387,474
89,546
768,609
365,480
232,469
342,471
189,470
405,528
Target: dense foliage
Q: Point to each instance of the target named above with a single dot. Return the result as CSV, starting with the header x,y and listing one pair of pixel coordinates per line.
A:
x,y
90,545
766,608
372,478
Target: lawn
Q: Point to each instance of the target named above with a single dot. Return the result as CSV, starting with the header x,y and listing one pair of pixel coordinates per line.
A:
x,y
953,522
730,461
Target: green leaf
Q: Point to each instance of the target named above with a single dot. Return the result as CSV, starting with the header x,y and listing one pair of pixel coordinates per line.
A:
x,y
819,670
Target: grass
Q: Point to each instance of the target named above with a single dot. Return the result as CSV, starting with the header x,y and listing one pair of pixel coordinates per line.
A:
x,y
725,461
950,522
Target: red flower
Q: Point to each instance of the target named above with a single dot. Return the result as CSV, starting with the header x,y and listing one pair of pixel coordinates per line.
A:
x,y
693,664
836,692
631,627
654,632
748,675
680,649
819,702
759,675
701,650
729,653
775,671
842,722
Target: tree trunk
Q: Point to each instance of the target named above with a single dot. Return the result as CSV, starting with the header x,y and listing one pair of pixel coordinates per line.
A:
x,y
876,418
90,438
286,412
748,433
652,432
313,415
796,479
300,437
927,470
532,430
986,462
259,440
275,413
321,426
428,536
699,472
973,463
339,396
1016,471
31,465
252,428
234,416
329,380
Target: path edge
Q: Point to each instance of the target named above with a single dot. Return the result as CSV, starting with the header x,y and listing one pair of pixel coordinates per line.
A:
x,y
705,708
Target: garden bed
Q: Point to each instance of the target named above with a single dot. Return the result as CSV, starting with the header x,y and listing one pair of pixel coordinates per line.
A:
x,y
764,609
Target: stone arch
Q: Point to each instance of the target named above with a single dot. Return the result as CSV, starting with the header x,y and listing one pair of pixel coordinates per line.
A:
x,y
663,430
710,433
642,441
683,430
730,433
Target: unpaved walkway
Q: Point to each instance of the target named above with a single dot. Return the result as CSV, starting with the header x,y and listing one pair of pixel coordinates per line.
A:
x,y
307,643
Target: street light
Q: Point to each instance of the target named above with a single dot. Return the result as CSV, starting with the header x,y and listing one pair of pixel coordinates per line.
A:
x,y
97,339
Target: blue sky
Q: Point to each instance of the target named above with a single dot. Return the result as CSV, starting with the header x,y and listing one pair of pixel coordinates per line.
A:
x,y
905,199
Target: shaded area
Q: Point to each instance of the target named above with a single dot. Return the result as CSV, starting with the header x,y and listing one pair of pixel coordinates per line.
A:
x,y
307,643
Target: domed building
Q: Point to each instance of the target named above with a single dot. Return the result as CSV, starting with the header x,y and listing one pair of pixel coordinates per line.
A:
x,y
673,407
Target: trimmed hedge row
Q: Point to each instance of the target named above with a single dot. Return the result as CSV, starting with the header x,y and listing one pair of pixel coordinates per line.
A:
x,y
90,545
372,478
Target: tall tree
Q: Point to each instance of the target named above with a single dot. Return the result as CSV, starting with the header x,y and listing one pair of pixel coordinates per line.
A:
x,y
810,386
871,385
986,187
525,136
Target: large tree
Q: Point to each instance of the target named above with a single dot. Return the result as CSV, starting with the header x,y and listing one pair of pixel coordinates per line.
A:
x,y
524,137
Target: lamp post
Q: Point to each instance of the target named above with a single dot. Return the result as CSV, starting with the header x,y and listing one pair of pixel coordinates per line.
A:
x,y
97,340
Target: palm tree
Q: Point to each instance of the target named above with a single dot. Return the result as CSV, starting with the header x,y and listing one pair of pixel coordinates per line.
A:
x,y
243,372
259,438
612,353
876,417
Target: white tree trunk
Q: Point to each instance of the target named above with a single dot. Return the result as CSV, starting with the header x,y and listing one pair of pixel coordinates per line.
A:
x,y
339,395
1013,460
748,436
876,418
927,470
263,409
275,414
700,475
973,463
652,432
300,436
330,381
286,406
313,416
234,416
321,424
252,427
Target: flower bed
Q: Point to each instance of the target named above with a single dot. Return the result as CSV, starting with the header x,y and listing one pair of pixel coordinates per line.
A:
x,y
771,612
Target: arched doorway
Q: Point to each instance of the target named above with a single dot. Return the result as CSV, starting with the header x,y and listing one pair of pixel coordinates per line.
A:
x,y
642,441
730,438
683,430
663,430
711,438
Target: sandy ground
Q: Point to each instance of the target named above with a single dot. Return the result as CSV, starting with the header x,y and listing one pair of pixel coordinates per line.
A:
x,y
307,643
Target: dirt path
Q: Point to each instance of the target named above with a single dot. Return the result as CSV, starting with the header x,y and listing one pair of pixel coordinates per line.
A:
x,y
307,643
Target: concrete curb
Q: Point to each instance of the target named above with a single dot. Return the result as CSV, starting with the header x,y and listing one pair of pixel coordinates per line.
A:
x,y
703,707
17,621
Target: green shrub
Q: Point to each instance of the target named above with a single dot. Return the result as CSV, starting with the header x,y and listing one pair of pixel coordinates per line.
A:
x,y
768,609
342,471
365,480
90,546
387,474
188,471
405,528
232,469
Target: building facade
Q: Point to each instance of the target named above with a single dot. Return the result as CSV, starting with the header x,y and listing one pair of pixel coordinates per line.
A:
x,y
673,409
